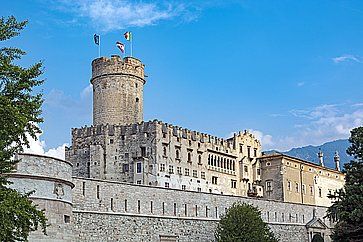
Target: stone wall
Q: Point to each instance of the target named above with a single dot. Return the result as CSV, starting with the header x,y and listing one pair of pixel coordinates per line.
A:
x,y
51,181
150,212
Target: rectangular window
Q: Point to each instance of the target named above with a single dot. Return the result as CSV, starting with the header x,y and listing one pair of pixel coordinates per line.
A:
x,y
162,167
187,171
195,173
98,192
289,185
184,187
255,152
268,186
143,151
233,184
199,189
179,170
311,190
297,187
249,151
320,192
214,180
246,168
138,182
67,219
111,141
138,206
240,148
138,167
258,171
125,168
167,184
202,175
171,169
303,188
83,188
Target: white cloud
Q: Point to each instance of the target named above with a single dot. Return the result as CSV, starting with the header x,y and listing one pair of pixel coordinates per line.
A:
x,y
321,124
300,84
109,15
38,147
345,58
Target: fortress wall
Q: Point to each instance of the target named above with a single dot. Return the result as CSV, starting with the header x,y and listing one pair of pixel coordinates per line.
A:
x,y
148,212
51,181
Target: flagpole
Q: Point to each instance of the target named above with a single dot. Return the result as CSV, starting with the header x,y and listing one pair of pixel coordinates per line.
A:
x,y
99,47
132,37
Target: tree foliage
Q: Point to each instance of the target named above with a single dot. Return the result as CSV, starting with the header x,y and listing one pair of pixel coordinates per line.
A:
x,y
347,208
20,111
243,223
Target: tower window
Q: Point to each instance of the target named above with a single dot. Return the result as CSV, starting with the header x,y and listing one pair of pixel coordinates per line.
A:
x,y
137,99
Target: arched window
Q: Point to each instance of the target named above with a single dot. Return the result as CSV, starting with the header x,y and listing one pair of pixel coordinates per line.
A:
x,y
199,159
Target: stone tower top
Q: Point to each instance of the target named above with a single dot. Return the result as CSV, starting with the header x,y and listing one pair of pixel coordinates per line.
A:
x,y
117,90
116,65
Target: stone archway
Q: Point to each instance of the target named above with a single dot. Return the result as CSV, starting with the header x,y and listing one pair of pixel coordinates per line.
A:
x,y
317,238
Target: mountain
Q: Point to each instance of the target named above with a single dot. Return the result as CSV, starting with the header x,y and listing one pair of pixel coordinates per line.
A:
x,y
310,152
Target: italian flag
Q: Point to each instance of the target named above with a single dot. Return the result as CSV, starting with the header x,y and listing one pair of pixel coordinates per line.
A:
x,y
128,35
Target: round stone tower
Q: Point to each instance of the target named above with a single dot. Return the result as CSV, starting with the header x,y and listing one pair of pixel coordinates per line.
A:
x,y
118,86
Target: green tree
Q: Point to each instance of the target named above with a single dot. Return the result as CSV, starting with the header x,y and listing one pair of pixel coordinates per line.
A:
x,y
243,223
347,208
20,111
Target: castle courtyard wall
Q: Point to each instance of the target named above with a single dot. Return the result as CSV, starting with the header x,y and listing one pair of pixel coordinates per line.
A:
x,y
115,211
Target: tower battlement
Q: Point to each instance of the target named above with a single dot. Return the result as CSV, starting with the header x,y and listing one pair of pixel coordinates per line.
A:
x,y
117,65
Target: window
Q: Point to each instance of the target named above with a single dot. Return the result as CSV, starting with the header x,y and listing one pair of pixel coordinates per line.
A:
x,y
214,180
233,165
189,156
246,168
240,148
138,167
164,135
138,182
255,152
184,187
268,186
177,154
297,187
137,99
199,159
289,185
125,167
195,173
311,190
320,192
143,151
202,174
98,191
268,164
164,151
126,155
303,188
179,170
67,219
190,143
199,189
233,184
171,169
258,171
111,141
167,184
186,171
162,167
249,151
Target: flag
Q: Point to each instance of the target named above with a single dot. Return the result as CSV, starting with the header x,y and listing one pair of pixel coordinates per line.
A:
x,y
120,46
96,38
128,35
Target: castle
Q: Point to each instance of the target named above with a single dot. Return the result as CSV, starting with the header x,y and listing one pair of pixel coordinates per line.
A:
x,y
124,179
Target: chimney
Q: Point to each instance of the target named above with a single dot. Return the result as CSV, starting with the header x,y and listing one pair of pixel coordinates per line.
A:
x,y
337,161
321,158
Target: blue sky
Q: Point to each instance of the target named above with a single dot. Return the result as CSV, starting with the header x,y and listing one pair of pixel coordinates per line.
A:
x,y
290,71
